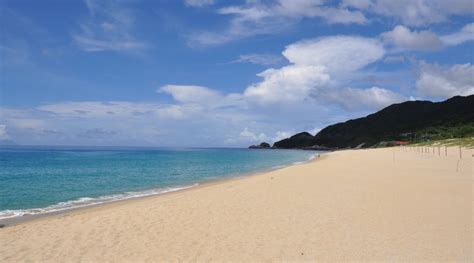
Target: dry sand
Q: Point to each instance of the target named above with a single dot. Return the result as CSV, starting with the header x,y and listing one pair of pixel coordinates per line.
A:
x,y
384,204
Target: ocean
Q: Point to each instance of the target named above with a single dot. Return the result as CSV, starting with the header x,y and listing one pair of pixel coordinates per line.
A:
x,y
37,180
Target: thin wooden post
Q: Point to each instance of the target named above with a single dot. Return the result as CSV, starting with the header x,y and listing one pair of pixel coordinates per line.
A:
x,y
460,153
445,150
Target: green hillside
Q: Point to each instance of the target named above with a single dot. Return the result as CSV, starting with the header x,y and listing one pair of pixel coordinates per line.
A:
x,y
413,121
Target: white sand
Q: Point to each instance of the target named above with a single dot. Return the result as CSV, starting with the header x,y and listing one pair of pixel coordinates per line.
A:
x,y
384,204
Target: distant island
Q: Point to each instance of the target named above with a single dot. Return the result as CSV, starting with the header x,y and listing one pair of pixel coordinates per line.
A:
x,y
263,145
407,122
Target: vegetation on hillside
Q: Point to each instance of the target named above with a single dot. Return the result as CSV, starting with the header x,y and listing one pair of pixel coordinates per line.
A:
x,y
467,142
412,121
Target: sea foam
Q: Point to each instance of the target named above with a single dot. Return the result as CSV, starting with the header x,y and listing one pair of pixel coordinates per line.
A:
x,y
88,201
38,180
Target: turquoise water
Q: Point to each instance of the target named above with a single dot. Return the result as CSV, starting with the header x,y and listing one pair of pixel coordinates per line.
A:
x,y
40,179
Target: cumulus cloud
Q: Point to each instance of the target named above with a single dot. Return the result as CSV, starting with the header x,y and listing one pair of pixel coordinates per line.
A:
x,y
401,37
444,82
287,84
413,12
262,111
109,27
314,64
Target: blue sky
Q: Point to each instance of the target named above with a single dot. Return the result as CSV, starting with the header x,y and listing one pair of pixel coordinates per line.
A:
x,y
214,73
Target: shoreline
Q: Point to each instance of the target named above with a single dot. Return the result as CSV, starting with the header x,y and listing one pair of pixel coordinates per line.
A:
x,y
389,204
16,220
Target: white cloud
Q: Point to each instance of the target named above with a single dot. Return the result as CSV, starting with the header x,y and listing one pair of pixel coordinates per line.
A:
x,y
414,12
108,28
131,123
202,97
335,53
359,4
287,84
280,135
198,3
245,22
28,123
268,107
464,35
314,64
92,45
445,82
395,59
190,94
3,132
342,16
255,11
401,37
311,8
114,110
259,59
258,17
248,135
270,17
373,98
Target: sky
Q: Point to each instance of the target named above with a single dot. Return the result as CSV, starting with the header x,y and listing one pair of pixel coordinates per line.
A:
x,y
214,73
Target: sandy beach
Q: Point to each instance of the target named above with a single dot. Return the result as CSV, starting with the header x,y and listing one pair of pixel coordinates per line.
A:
x,y
389,204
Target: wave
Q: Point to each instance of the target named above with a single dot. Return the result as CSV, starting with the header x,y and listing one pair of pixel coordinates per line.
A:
x,y
278,166
310,158
87,201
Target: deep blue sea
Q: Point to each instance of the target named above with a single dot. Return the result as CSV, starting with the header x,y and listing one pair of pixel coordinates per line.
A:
x,y
36,180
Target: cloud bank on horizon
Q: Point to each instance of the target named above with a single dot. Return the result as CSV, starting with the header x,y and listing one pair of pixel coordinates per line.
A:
x,y
221,73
